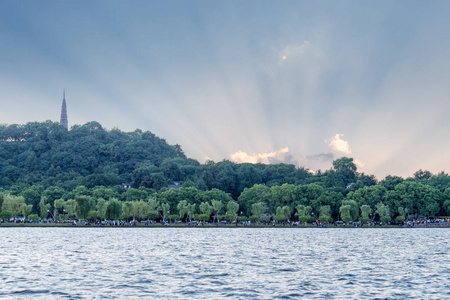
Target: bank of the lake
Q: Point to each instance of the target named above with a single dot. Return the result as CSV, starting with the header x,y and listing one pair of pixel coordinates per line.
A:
x,y
221,225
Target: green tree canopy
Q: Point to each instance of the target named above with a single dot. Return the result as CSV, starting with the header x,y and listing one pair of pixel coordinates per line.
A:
x,y
13,204
113,209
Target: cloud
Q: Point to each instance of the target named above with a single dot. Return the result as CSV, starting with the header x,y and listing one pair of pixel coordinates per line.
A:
x,y
321,157
299,51
339,145
358,163
275,157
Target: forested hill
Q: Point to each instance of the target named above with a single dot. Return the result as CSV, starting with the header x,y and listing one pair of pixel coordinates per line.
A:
x,y
43,162
45,153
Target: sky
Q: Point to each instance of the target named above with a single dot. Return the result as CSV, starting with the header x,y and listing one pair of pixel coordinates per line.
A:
x,y
301,82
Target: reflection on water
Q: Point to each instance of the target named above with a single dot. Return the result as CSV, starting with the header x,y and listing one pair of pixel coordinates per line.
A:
x,y
206,263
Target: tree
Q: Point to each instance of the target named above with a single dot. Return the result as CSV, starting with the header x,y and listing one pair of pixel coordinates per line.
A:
x,y
446,204
104,193
44,207
13,204
363,180
103,180
206,208
171,169
113,209
369,195
278,174
232,209
345,212
174,217
227,179
5,215
422,175
128,209
328,198
258,209
217,207
25,209
190,210
282,214
418,198
285,195
101,208
158,181
32,196
390,182
93,215
440,181
345,170
135,194
33,217
142,209
354,209
81,190
175,196
304,213
165,211
365,212
2,193
383,212
248,176
401,214
70,208
52,193
84,206
182,208
154,208
58,205
250,196
325,214
201,217
311,195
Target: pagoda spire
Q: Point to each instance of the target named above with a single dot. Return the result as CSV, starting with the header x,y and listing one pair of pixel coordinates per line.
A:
x,y
63,121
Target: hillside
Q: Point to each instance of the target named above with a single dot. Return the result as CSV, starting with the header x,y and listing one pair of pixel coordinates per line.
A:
x,y
43,162
47,154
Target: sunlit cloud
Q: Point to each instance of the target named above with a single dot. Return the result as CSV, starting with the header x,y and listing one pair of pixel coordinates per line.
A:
x,y
297,51
340,145
279,156
358,163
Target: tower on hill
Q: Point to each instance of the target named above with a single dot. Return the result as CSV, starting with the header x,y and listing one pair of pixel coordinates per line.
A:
x,y
63,121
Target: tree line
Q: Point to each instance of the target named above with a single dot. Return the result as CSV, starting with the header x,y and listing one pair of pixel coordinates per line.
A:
x,y
47,170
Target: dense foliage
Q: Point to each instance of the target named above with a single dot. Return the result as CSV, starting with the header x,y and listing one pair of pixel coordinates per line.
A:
x,y
48,171
49,155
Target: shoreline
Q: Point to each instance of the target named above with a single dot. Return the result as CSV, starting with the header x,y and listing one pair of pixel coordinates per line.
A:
x,y
53,225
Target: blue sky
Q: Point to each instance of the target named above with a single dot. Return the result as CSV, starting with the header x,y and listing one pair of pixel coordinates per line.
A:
x,y
303,82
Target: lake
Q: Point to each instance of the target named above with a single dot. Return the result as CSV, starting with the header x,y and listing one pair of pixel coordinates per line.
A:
x,y
215,263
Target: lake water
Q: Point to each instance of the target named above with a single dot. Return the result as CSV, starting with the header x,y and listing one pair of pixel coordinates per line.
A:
x,y
215,263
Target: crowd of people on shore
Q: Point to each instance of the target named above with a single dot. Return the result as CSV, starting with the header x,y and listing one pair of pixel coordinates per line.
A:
x,y
425,222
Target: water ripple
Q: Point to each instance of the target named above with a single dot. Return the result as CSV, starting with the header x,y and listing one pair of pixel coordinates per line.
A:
x,y
287,263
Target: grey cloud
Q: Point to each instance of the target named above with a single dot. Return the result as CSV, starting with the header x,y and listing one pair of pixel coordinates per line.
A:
x,y
321,157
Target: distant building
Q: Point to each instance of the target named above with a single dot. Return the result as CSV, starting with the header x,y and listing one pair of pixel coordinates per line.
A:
x,y
176,185
63,121
127,185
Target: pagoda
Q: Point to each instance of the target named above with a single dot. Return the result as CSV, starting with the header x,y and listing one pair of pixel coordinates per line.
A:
x,y
63,121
